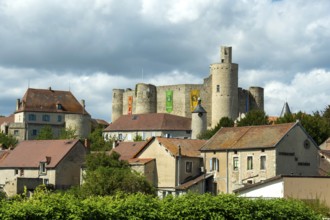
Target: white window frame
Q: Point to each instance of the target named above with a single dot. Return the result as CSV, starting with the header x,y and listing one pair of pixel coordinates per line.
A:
x,y
249,162
235,166
42,168
189,165
214,164
263,163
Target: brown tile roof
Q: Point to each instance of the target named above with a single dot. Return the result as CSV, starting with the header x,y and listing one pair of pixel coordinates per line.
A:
x,y
127,150
4,154
264,136
45,100
189,147
28,154
150,122
141,161
192,182
9,119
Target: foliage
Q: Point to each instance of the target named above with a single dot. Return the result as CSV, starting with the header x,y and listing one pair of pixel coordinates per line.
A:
x,y
46,133
254,117
68,133
7,141
97,140
2,195
224,122
106,175
137,138
44,205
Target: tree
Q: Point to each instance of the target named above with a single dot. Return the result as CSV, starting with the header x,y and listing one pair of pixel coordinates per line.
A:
x,y
68,133
97,140
8,141
46,133
224,122
106,175
137,138
254,117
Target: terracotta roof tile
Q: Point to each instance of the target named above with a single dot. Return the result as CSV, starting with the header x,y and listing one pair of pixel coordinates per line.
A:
x,y
127,150
192,182
189,147
9,119
45,100
150,122
30,153
264,136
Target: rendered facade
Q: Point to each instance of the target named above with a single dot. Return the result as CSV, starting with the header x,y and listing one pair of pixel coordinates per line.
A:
x,y
240,156
220,94
58,109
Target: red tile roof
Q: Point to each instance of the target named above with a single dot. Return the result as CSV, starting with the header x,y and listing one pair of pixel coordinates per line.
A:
x,y
189,147
45,100
264,136
127,150
194,181
150,122
9,119
141,161
28,154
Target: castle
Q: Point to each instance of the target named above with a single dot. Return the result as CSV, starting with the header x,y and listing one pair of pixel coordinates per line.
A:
x,y
220,94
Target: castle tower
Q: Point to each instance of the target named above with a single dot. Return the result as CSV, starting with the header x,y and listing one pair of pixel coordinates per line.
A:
x,y
224,87
198,120
256,98
117,103
146,98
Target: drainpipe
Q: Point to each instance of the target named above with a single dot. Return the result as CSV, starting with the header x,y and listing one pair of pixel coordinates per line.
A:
x,y
178,166
227,173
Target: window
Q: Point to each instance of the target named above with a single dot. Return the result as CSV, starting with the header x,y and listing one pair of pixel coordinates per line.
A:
x,y
46,181
46,118
218,88
59,118
32,117
120,136
42,168
16,171
129,137
249,162
22,172
16,132
262,162
188,166
235,163
34,132
214,164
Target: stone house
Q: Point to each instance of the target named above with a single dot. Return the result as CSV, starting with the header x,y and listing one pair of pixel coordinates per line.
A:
x,y
51,162
173,166
58,109
240,156
127,127
5,122
288,186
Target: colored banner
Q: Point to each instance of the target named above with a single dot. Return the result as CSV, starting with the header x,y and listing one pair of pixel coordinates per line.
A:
x,y
194,95
169,101
130,105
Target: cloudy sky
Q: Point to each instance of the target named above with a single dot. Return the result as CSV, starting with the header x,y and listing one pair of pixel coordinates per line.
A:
x,y
93,46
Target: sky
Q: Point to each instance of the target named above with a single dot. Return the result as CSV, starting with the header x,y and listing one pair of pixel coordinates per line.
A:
x,y
93,46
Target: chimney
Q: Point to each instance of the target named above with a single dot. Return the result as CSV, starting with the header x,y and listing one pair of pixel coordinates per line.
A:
x,y
18,103
48,159
82,102
50,88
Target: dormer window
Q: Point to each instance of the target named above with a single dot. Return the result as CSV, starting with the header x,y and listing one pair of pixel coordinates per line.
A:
x,y
58,106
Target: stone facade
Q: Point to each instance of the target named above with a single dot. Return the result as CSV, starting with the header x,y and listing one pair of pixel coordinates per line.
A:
x,y
219,91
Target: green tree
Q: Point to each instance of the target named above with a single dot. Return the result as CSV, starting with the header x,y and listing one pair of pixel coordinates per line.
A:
x,y
46,133
8,141
106,175
97,140
224,122
137,138
68,133
254,117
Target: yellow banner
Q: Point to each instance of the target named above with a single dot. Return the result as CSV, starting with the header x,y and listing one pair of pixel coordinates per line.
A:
x,y
130,105
194,95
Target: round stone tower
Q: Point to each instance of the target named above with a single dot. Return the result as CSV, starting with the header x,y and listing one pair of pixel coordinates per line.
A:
x,y
256,98
117,103
198,120
146,98
224,87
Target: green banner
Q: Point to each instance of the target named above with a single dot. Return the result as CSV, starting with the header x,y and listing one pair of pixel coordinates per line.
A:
x,y
169,101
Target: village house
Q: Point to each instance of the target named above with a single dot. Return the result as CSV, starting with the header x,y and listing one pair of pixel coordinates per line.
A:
x,y
127,127
239,156
5,122
172,165
51,162
290,186
58,109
